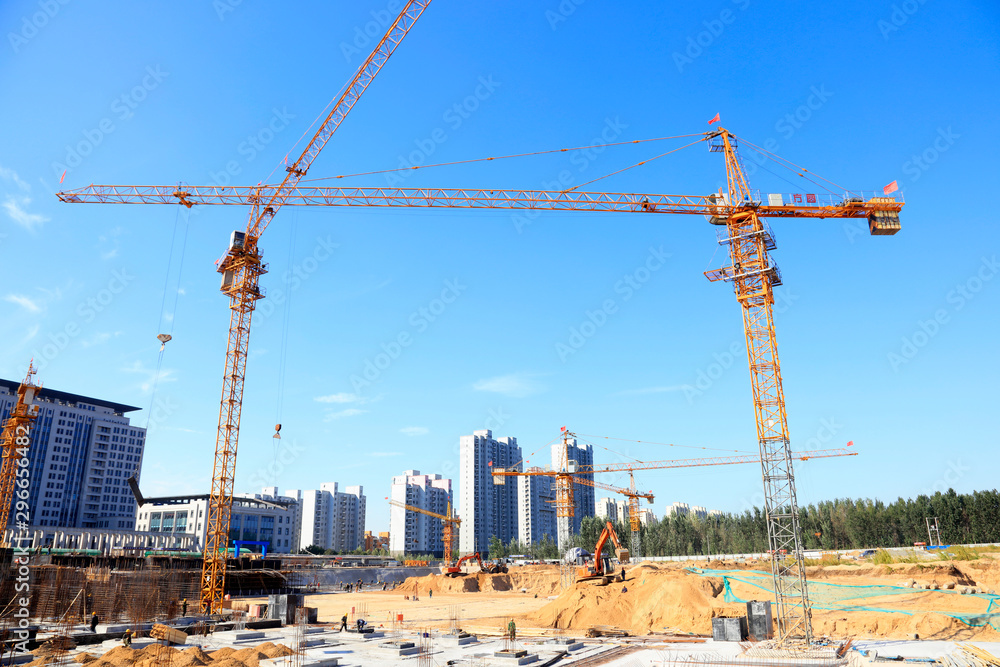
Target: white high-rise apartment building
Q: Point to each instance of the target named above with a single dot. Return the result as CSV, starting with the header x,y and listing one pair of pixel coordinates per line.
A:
x,y
678,509
488,509
412,532
331,519
607,508
83,450
536,509
583,495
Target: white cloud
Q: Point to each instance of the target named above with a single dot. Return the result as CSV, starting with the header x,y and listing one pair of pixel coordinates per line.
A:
x,y
24,302
16,204
414,430
98,338
11,175
342,397
349,412
652,390
516,385
32,332
152,377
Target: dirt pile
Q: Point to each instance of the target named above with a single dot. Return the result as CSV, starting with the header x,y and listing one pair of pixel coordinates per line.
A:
x,y
664,597
156,655
540,581
654,600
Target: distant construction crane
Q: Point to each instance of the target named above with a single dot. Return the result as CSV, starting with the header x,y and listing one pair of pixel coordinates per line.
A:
x,y
738,209
569,472
449,525
634,513
16,444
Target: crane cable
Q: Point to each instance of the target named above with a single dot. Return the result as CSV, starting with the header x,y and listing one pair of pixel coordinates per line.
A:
x,y
283,355
637,164
667,444
503,157
173,313
803,171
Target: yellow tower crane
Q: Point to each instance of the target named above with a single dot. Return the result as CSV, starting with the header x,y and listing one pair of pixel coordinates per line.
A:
x,y
449,525
16,444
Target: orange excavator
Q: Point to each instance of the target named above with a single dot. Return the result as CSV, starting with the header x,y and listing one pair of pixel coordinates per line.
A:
x,y
600,568
489,567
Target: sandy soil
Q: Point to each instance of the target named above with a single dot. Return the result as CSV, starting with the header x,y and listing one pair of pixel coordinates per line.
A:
x,y
664,598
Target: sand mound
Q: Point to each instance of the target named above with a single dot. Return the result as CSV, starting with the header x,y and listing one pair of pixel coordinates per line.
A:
x,y
663,597
653,600
250,657
228,662
120,656
272,650
541,580
224,652
84,658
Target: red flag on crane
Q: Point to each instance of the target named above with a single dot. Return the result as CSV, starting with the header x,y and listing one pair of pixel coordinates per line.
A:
x,y
562,428
892,187
850,443
63,176
714,119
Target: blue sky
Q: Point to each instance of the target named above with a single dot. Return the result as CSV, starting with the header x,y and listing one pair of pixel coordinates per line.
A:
x,y
886,341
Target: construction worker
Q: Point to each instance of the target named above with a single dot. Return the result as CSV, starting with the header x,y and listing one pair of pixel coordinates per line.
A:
x,y
127,638
94,620
184,607
511,630
343,622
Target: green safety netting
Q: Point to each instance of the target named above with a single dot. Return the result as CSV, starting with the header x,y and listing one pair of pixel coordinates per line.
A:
x,y
851,597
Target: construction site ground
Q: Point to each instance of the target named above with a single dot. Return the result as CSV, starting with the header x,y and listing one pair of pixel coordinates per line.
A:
x,y
876,601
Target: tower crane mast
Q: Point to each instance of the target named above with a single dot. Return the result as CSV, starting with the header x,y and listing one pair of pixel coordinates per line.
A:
x,y
241,270
16,443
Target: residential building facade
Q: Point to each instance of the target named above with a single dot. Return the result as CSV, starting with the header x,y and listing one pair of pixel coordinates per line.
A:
x,y
536,508
413,532
258,518
331,519
488,509
83,450
607,508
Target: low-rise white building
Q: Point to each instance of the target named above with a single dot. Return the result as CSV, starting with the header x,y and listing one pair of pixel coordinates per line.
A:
x,y
253,519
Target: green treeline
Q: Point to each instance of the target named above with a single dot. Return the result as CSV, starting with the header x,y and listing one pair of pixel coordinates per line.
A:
x,y
830,525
